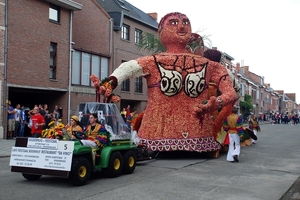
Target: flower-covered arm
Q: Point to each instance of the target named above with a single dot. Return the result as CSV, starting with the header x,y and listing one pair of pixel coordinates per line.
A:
x,y
124,71
235,83
221,77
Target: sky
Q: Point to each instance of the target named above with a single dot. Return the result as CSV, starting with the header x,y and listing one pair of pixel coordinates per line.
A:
x,y
261,34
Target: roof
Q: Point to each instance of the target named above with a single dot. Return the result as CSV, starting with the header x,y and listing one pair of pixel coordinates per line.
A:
x,y
68,4
118,9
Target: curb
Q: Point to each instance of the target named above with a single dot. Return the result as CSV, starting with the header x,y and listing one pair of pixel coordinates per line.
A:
x,y
292,192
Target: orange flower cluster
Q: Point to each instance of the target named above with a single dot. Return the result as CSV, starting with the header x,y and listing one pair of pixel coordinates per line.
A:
x,y
105,88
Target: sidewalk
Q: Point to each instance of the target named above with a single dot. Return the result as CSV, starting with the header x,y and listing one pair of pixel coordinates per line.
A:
x,y
5,147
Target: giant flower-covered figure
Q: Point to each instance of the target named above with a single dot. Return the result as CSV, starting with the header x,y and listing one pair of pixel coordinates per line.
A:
x,y
178,113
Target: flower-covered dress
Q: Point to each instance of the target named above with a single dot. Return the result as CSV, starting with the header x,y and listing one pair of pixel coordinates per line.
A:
x,y
176,84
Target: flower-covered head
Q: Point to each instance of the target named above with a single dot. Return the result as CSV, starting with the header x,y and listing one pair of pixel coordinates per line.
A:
x,y
174,31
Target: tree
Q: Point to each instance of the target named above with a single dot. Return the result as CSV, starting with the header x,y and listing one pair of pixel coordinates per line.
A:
x,y
246,106
152,43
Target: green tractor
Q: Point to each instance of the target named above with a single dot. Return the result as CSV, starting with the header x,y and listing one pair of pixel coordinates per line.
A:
x,y
34,157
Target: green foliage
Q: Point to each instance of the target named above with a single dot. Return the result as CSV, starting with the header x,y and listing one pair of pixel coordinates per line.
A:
x,y
248,98
246,106
151,43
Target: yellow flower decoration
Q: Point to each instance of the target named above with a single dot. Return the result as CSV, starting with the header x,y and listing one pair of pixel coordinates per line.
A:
x,y
107,85
51,123
44,133
51,133
61,126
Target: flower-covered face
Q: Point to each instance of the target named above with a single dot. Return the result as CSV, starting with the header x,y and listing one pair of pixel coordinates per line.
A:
x,y
175,32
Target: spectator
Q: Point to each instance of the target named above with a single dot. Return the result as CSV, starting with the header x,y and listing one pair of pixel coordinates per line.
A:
x,y
41,110
22,122
37,123
17,117
127,111
124,114
56,113
30,112
131,118
47,117
11,120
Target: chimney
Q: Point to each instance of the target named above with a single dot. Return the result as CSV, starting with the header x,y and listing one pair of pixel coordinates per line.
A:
x,y
246,69
238,67
153,15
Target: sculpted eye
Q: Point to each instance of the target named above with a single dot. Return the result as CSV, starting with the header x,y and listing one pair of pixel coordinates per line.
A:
x,y
186,22
173,21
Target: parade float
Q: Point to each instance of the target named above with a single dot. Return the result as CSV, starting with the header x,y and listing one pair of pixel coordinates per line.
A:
x,y
178,116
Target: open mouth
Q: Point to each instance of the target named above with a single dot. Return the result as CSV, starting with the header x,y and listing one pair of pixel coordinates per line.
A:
x,y
181,33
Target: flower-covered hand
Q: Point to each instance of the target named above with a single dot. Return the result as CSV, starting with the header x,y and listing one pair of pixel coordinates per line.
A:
x,y
108,92
212,104
115,99
102,90
105,88
95,81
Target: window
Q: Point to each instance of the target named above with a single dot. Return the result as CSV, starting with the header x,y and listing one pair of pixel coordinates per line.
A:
x,y
125,32
53,51
250,90
54,13
125,85
85,68
138,36
122,4
242,89
86,64
138,84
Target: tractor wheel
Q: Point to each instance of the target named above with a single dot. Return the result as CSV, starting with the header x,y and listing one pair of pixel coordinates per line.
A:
x,y
115,165
31,177
129,162
80,171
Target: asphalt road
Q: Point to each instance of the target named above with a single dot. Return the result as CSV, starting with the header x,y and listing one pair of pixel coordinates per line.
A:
x,y
266,170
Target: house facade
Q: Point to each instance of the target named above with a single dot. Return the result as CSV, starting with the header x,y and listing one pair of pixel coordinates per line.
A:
x,y
129,23
38,50
53,46
265,99
3,30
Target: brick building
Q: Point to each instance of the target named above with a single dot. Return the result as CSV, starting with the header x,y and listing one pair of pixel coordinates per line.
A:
x,y
128,25
38,54
53,46
2,61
